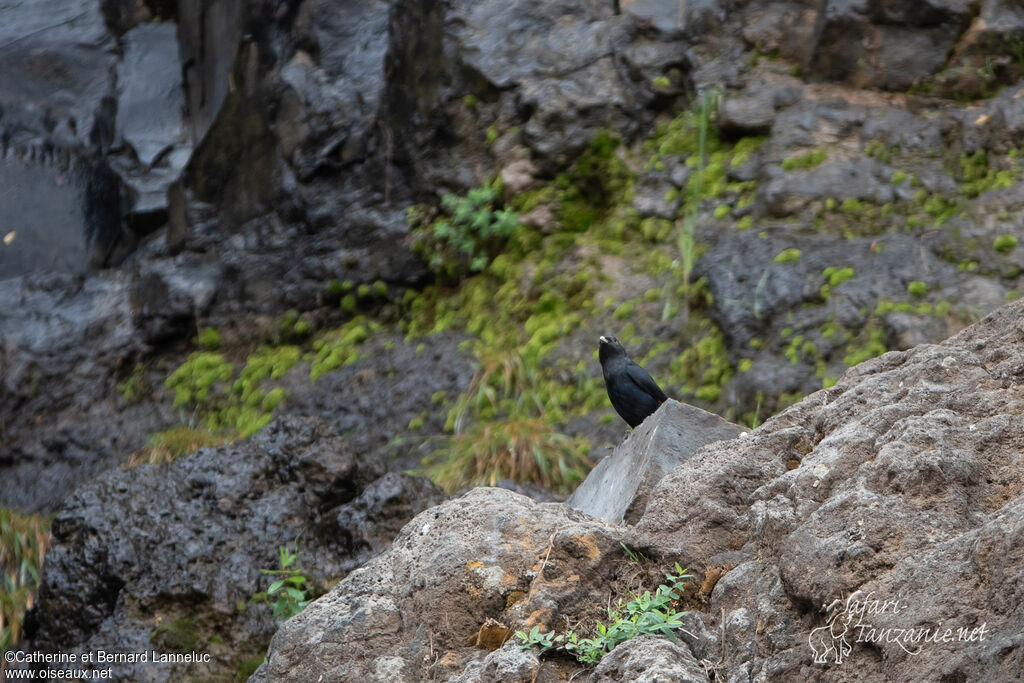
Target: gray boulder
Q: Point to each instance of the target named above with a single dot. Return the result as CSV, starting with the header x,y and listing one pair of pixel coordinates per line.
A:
x,y
852,516
647,659
617,489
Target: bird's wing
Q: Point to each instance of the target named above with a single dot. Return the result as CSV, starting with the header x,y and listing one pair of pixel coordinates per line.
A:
x,y
643,379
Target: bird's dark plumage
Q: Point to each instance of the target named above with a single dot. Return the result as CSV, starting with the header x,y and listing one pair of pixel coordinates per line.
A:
x,y
632,391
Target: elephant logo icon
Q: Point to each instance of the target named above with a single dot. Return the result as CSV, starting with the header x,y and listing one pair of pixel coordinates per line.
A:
x,y
830,640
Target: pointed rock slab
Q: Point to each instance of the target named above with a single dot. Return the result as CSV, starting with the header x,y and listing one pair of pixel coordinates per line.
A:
x,y
617,489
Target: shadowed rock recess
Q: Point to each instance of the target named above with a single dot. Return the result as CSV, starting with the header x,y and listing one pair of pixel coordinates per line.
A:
x,y
904,482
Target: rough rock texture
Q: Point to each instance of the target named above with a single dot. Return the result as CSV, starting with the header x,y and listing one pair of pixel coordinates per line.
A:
x,y
903,475
647,659
182,545
446,573
616,490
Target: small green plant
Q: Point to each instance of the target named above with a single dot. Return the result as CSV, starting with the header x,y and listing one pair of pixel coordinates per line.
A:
x,y
807,160
917,288
686,241
787,255
645,614
1004,243
289,593
169,445
635,556
24,540
469,234
520,449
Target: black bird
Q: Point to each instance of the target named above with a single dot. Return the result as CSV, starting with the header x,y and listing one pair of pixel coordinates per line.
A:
x,y
632,391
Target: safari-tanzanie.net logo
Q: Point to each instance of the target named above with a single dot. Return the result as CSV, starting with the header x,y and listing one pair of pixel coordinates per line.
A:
x,y
850,621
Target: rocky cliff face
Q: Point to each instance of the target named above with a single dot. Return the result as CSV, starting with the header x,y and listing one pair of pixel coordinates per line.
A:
x,y
247,166
237,158
897,492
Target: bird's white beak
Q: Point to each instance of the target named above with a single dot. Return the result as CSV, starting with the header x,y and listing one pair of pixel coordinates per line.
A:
x,y
604,339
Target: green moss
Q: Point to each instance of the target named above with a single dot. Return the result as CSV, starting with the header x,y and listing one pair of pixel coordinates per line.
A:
x,y
870,343
195,382
810,159
1004,243
470,101
877,150
787,255
722,211
745,365
792,351
828,381
853,207
833,278
656,229
941,208
830,329
416,423
135,386
979,177
745,223
898,177
661,82
884,307
625,310
831,204
743,148
837,276
917,288
209,339
341,347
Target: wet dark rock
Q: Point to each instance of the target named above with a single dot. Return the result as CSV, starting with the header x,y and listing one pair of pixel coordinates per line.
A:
x,y
791,28
756,297
57,59
367,524
616,490
162,544
53,363
150,117
787,193
885,45
373,400
64,212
